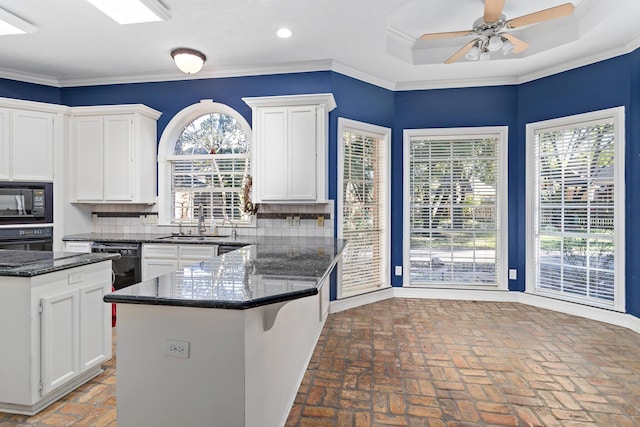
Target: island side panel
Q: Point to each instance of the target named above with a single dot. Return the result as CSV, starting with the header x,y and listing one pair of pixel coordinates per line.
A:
x,y
276,359
205,389
15,334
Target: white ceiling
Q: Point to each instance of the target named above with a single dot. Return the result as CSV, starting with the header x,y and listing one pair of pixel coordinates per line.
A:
x,y
373,40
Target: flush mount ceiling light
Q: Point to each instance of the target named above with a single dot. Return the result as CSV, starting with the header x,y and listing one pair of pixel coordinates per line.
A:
x,y
11,24
189,61
284,33
132,11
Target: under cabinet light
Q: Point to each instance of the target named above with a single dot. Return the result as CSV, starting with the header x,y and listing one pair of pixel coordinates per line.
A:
x,y
11,24
132,11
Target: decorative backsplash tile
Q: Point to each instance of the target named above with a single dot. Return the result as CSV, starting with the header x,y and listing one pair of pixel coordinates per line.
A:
x,y
271,220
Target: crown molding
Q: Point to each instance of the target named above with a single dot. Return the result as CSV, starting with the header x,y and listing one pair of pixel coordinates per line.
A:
x,y
44,107
326,65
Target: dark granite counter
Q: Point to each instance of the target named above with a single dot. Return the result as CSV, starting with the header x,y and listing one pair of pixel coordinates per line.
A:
x,y
274,269
35,263
160,238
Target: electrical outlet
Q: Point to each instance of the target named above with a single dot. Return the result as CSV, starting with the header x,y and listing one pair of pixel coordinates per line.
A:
x,y
177,348
143,219
320,221
513,274
75,278
296,221
152,219
289,221
398,270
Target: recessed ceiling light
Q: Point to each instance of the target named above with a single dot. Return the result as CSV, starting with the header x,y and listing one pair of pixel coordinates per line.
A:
x,y
11,24
284,33
132,11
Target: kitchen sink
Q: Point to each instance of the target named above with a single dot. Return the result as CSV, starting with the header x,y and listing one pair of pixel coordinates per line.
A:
x,y
194,238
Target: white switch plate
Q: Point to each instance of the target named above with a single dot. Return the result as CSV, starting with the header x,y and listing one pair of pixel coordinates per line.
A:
x,y
398,270
177,348
513,274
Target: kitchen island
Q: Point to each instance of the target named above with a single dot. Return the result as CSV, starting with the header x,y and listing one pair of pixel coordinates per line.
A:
x,y
56,331
223,342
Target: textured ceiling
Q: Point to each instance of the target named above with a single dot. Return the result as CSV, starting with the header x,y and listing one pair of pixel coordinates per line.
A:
x,y
374,40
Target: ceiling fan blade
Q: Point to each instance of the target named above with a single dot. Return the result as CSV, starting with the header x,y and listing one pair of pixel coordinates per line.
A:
x,y
493,10
542,15
435,36
459,54
519,45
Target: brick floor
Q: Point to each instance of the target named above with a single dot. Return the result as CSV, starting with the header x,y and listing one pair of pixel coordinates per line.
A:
x,y
408,362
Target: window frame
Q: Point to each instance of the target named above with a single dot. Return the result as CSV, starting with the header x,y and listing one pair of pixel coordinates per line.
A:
x,y
617,115
502,192
382,134
166,146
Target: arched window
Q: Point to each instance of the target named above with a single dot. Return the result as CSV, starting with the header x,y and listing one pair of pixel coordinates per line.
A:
x,y
204,159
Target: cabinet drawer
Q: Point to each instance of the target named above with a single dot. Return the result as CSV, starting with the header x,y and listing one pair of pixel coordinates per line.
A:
x,y
198,252
160,251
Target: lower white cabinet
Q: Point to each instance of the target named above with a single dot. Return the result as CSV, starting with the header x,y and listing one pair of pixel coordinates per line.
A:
x,y
160,259
59,334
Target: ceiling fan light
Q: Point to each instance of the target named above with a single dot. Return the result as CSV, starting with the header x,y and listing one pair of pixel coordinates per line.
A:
x,y
507,47
495,43
189,61
473,54
484,56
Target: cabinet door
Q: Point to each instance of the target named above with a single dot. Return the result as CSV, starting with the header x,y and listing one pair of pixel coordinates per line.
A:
x,y
32,146
302,153
5,146
118,158
272,154
158,267
95,325
88,159
60,339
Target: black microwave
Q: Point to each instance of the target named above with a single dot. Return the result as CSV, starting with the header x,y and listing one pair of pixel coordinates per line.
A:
x,y
26,202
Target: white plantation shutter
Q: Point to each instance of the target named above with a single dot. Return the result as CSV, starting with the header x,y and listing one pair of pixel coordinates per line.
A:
x,y
454,195
213,180
363,211
575,226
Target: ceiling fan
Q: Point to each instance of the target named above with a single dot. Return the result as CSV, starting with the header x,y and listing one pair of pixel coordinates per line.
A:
x,y
490,31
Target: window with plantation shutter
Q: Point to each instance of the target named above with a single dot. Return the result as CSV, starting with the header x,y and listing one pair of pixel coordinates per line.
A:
x,y
363,207
208,163
576,202
455,219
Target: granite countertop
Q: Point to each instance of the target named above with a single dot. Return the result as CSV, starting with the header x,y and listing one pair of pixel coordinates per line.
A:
x,y
160,238
275,269
35,263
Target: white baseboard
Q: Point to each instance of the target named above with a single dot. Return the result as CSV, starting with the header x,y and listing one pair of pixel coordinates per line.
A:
x,y
358,300
601,315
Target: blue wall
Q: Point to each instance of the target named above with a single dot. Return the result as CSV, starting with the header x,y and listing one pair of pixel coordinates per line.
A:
x,y
611,83
29,91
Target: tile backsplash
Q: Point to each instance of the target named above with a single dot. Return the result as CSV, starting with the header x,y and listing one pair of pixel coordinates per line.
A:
x,y
271,220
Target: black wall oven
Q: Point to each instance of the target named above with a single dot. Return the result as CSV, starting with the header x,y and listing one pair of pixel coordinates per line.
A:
x,y
26,202
27,238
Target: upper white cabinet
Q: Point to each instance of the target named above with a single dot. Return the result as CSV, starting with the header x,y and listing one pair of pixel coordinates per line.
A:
x,y
26,145
290,147
113,154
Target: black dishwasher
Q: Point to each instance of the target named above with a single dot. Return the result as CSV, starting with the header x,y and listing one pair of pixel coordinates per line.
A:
x,y
127,270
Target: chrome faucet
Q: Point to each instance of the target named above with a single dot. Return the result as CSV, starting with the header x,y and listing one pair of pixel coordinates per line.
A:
x,y
201,226
234,227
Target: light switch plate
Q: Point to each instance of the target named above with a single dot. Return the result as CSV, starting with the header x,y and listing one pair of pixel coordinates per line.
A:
x,y
513,274
398,270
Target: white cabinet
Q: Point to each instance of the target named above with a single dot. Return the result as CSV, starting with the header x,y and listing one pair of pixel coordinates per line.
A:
x,y
26,145
160,259
60,334
290,147
114,154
